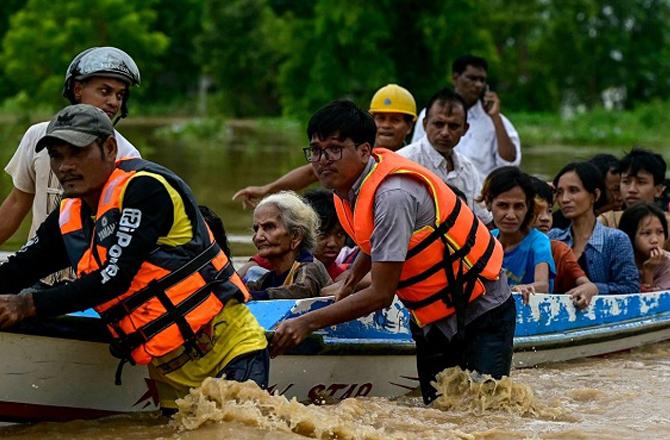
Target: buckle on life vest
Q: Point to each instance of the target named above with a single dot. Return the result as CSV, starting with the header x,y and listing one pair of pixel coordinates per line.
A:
x,y
459,286
200,347
458,290
125,344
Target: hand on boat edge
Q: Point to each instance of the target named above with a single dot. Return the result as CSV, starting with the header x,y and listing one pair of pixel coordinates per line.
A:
x,y
288,334
526,290
15,308
583,294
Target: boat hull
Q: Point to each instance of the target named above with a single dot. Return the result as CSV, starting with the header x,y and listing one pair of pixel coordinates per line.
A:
x,y
51,375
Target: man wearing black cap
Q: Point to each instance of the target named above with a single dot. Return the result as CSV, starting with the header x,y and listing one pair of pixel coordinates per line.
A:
x,y
99,76
144,259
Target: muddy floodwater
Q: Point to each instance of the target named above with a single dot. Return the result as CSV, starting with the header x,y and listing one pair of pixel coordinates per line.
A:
x,y
626,395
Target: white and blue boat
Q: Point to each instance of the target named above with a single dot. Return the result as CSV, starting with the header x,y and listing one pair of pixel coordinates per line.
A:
x,y
61,369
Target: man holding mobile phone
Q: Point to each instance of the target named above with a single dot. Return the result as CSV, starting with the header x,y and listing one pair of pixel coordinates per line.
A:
x,y
492,141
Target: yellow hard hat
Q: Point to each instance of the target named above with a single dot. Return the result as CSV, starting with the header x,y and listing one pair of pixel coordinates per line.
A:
x,y
393,99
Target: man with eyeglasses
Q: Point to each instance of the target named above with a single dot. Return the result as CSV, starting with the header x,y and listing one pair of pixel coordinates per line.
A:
x,y
419,241
492,141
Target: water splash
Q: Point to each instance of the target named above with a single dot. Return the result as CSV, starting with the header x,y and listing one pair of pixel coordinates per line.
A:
x,y
218,400
224,402
463,394
470,392
615,397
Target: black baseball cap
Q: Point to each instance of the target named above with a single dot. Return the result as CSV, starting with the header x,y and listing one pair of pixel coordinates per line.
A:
x,y
78,125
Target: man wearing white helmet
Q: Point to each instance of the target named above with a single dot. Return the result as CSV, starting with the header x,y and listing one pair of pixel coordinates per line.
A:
x,y
99,76
394,111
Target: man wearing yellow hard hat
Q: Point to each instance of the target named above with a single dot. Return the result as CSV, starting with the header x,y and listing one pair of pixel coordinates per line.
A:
x,y
394,111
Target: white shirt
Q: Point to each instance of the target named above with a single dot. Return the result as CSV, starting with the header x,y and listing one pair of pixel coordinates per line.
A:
x,y
31,172
464,176
479,144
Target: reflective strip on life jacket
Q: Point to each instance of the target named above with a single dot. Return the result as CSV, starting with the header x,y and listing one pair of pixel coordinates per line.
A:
x,y
69,219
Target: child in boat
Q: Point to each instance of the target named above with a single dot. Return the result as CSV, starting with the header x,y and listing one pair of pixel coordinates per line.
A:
x,y
610,168
605,254
285,231
570,278
509,195
646,226
642,180
331,236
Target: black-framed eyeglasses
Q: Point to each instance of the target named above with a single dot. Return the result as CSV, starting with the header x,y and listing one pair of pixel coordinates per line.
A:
x,y
332,152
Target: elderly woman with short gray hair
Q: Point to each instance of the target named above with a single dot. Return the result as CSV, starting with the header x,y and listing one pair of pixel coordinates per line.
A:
x,y
285,234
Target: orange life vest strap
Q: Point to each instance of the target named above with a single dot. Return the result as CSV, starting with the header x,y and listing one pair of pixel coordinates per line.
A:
x,y
439,233
460,285
129,304
443,294
442,229
124,344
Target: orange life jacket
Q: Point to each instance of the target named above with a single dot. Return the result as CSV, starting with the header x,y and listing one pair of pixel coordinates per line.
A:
x,y
445,261
177,289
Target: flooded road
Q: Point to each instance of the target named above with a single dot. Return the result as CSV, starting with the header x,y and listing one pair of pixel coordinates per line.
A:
x,y
626,395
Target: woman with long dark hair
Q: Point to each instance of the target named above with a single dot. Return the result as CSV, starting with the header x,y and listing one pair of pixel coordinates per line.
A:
x,y
605,254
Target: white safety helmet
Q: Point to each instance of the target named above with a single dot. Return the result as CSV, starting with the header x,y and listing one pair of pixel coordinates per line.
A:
x,y
102,61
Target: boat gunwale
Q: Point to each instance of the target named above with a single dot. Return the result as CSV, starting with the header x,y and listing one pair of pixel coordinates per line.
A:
x,y
322,345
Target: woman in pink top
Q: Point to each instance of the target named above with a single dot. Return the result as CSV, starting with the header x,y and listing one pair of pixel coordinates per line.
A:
x,y
647,228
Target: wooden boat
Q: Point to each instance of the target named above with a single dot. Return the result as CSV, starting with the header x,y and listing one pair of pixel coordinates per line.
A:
x,y
61,369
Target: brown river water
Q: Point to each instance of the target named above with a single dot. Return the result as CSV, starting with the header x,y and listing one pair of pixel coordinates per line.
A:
x,y
626,395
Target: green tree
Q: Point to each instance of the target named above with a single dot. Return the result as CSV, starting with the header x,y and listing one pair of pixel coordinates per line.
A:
x,y
593,45
433,36
240,49
7,8
524,79
177,78
44,36
348,49
343,52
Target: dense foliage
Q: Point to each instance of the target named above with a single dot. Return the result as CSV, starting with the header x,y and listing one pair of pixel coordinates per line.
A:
x,y
271,57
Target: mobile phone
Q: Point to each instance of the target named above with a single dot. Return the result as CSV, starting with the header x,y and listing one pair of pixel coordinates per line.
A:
x,y
485,103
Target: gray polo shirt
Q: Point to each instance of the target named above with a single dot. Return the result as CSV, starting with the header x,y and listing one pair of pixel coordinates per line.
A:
x,y
403,205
